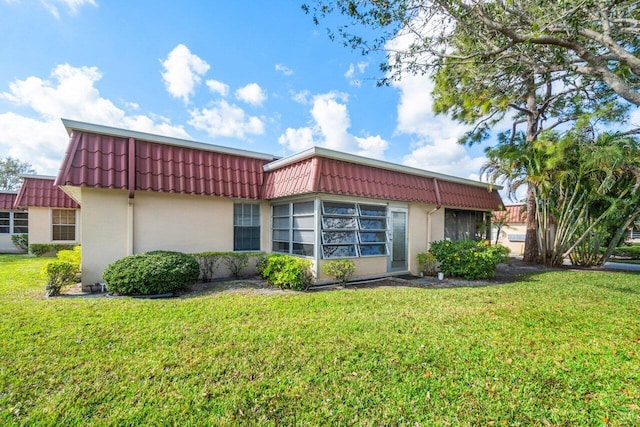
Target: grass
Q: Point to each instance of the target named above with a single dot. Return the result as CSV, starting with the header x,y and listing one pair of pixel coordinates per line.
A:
x,y
559,348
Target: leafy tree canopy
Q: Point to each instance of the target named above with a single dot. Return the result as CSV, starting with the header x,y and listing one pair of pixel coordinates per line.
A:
x,y
10,171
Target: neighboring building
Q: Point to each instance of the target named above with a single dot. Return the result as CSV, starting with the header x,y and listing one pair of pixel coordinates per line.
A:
x,y
12,221
53,216
141,192
512,234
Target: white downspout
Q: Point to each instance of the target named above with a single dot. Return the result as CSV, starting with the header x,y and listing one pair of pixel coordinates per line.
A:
x,y
130,227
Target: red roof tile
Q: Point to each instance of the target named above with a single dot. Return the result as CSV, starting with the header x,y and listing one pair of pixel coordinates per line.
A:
x,y
105,157
41,192
515,214
7,200
103,161
326,175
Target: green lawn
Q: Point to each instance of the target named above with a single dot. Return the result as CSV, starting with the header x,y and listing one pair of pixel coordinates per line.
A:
x,y
559,348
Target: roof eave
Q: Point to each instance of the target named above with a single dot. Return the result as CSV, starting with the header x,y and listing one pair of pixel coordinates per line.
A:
x,y
338,155
71,125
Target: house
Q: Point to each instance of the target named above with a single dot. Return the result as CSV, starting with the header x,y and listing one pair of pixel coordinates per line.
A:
x,y
12,221
54,217
513,227
142,192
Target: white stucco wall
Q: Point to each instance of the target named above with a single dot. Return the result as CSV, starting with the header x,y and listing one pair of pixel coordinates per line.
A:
x,y
161,221
40,231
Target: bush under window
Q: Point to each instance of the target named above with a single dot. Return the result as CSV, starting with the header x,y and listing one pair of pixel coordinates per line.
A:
x,y
287,272
468,259
150,273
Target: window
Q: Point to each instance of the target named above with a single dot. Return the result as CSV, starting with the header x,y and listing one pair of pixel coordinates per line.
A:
x,y
353,229
5,222
293,228
466,225
14,223
20,223
63,224
246,227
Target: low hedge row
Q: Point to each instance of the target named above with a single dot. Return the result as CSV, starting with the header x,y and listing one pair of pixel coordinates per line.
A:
x,y
149,273
40,249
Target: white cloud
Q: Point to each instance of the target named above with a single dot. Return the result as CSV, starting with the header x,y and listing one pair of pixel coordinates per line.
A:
x,y
71,93
72,5
354,72
251,94
435,146
218,87
183,71
224,119
331,129
302,97
284,69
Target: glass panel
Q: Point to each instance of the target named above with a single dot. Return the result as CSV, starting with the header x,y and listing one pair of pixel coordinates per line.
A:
x,y
373,236
373,224
373,250
246,239
372,210
302,249
281,247
281,235
304,208
399,258
343,251
281,222
339,237
332,223
281,210
4,222
64,232
304,236
335,208
303,222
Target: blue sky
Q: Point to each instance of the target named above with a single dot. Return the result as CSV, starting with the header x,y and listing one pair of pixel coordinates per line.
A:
x,y
258,75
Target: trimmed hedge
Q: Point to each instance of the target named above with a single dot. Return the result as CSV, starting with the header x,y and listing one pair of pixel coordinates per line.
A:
x,y
287,272
40,249
156,272
59,274
628,251
468,259
235,263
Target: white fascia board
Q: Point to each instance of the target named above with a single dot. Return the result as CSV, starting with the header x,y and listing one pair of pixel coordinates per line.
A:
x,y
72,125
338,155
26,175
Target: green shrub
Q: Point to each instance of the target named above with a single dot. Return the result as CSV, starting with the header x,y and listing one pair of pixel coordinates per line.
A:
x,y
21,241
235,262
468,259
628,251
207,262
287,272
154,272
340,269
40,249
59,274
71,256
427,264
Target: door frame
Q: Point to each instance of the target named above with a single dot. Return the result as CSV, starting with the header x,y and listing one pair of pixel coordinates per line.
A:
x,y
405,210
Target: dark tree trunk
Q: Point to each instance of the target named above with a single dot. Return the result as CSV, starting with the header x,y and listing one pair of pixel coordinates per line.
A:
x,y
531,236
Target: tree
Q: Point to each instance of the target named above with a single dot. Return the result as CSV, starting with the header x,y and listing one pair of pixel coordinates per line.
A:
x,y
586,183
10,171
598,39
542,59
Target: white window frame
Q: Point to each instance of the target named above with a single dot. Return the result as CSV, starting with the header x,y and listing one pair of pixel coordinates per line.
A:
x,y
75,225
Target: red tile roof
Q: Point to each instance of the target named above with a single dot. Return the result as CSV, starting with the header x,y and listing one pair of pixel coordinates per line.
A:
x,y
327,175
7,199
515,214
104,161
38,191
104,157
